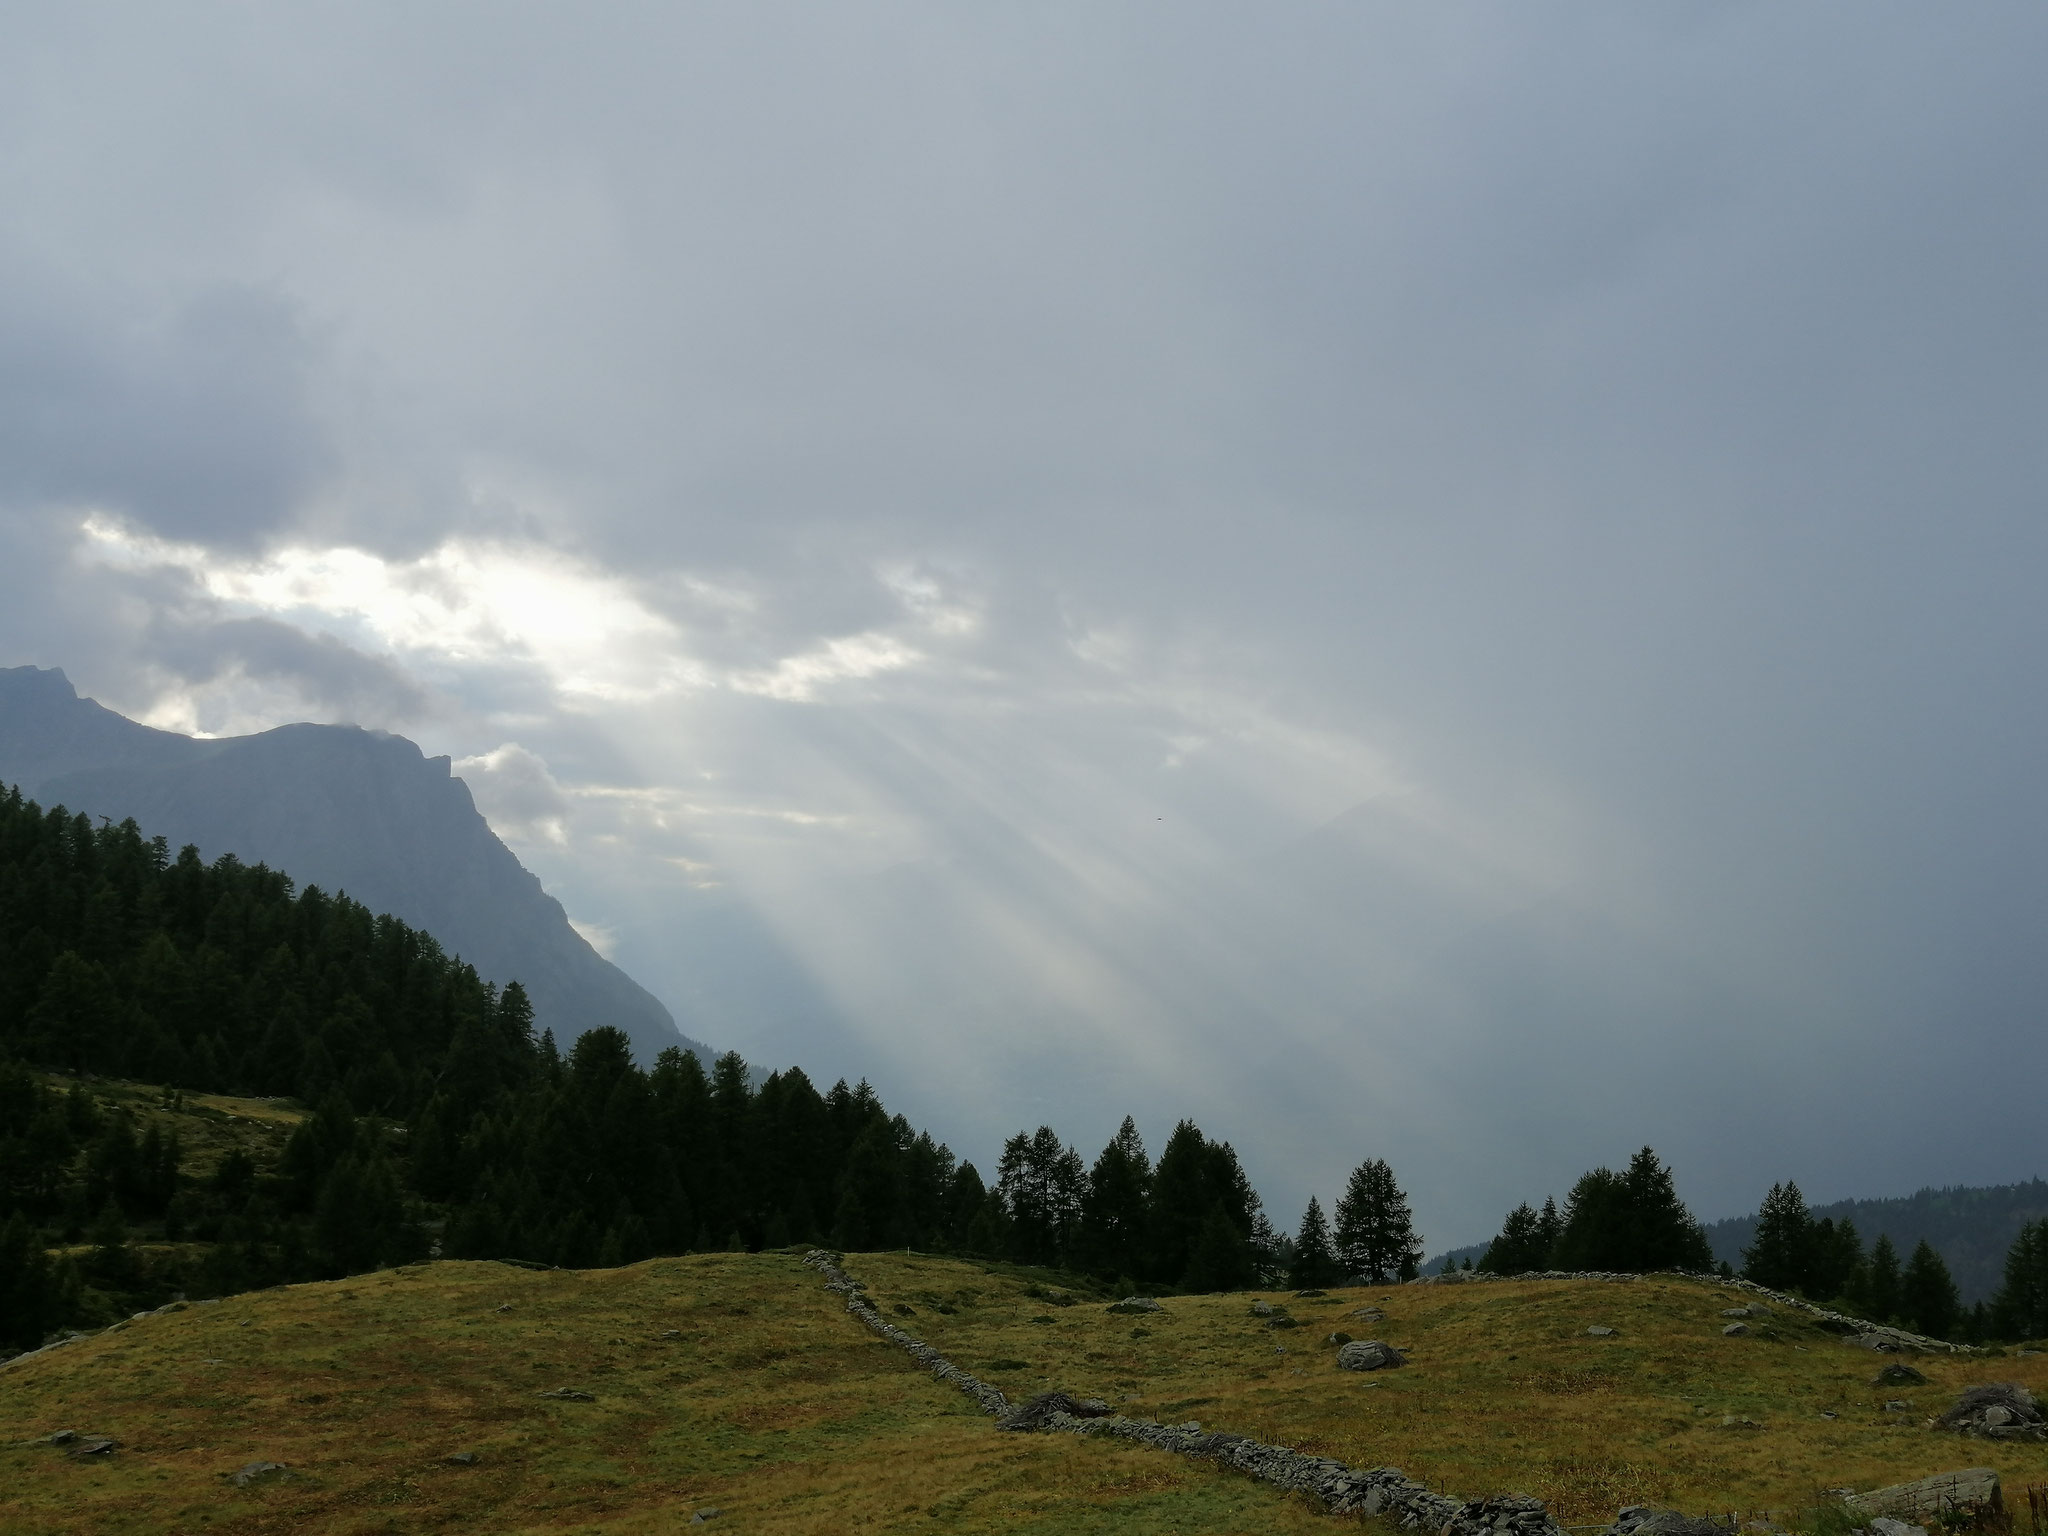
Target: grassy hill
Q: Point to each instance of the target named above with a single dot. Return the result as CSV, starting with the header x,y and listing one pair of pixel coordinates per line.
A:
x,y
736,1381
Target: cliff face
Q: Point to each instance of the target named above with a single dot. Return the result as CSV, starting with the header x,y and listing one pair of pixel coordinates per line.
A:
x,y
345,809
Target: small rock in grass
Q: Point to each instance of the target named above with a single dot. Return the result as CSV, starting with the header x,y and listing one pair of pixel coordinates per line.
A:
x,y
1309,1295
1735,1311
1598,1332
462,1458
1134,1304
1262,1309
1735,1330
1885,1526
567,1395
256,1472
1897,1375
704,1516
1338,1338
93,1445
61,1437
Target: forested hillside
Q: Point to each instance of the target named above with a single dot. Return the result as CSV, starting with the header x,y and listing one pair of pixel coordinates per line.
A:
x,y
440,1121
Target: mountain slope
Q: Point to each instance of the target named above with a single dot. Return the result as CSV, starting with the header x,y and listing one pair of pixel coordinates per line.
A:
x,y
339,807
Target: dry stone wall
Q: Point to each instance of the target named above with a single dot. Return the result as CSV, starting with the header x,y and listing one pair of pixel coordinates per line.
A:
x,y
1339,1488
1856,1329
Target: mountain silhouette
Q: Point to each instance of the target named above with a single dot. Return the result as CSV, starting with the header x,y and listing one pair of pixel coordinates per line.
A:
x,y
348,810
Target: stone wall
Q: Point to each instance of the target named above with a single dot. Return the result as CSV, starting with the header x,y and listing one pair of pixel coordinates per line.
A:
x,y
1340,1489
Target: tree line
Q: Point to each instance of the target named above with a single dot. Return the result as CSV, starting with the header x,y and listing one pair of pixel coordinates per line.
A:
x,y
1634,1222
442,1122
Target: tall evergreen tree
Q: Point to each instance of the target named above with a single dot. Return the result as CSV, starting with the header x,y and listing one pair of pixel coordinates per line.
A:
x,y
1041,1182
1314,1259
1114,1209
1927,1293
2021,1308
1522,1245
1884,1295
1376,1235
1781,1254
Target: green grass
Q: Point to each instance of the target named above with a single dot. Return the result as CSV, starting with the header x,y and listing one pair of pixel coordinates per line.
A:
x,y
777,1407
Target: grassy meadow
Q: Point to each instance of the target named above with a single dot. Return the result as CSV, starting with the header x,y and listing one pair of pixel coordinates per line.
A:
x,y
736,1382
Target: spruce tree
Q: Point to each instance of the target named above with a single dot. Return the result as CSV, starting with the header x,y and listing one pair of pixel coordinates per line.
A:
x,y
1781,1254
1661,1232
1376,1236
1113,1211
1927,1293
2020,1310
1521,1246
1884,1293
1315,1261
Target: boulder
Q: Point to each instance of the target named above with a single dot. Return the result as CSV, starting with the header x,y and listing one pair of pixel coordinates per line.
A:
x,y
1735,1311
1735,1330
1369,1355
1262,1309
93,1445
1034,1414
1370,1315
1647,1520
1971,1488
1131,1305
1998,1410
1884,1525
256,1472
1896,1375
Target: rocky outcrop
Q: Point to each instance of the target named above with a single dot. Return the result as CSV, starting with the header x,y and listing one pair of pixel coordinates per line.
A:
x,y
1997,1410
1383,1491
1929,1497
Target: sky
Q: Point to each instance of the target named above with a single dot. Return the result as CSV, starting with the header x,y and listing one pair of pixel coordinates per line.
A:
x,y
1456,583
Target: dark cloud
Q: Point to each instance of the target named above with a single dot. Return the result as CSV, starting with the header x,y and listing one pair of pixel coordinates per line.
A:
x,y
1442,582
196,422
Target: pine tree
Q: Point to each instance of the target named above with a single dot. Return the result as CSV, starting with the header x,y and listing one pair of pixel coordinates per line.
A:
x,y
1114,1209
1884,1295
1315,1262
1927,1293
2021,1308
1662,1233
1376,1236
1781,1254
1521,1246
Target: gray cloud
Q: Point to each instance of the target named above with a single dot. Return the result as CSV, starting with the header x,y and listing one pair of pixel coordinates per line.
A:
x,y
1440,583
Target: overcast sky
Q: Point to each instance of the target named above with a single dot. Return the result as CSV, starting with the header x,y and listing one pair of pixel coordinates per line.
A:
x,y
1455,583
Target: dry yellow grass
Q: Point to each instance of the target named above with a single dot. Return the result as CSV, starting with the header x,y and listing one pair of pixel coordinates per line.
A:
x,y
770,1404
1505,1391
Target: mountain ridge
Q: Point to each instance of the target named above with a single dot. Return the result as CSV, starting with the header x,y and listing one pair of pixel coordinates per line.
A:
x,y
361,812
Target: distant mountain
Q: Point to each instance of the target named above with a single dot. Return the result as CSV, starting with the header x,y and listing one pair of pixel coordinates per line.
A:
x,y
339,807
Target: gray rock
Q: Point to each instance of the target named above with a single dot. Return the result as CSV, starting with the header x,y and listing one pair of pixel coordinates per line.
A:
x,y
1598,1332
1885,1526
93,1445
1998,1410
61,1437
567,1395
1896,1375
1930,1496
1735,1330
1037,1413
1647,1520
1262,1309
705,1516
1338,1338
1735,1311
1369,1355
256,1472
1370,1315
462,1459
1132,1305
